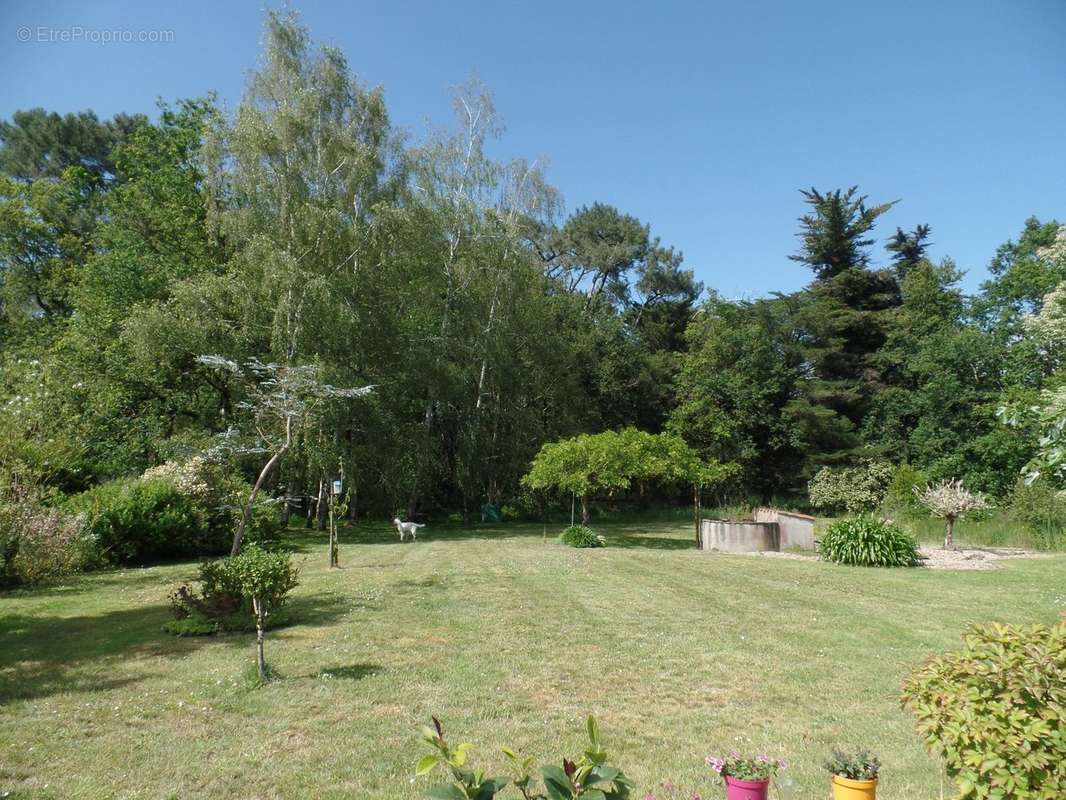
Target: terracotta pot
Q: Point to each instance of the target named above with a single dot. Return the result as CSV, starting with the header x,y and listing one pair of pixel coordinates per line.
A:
x,y
736,789
847,789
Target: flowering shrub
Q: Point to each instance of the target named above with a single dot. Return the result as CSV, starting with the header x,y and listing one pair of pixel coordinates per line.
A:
x,y
220,494
580,536
41,544
745,768
852,489
994,711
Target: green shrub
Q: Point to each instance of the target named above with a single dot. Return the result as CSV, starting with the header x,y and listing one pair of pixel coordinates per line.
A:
x,y
580,536
1041,510
900,496
587,776
224,600
852,489
994,711
135,521
869,542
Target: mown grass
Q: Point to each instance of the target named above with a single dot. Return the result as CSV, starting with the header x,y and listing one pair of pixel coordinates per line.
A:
x,y
510,639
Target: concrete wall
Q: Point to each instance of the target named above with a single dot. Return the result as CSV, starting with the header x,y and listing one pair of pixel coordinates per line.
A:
x,y
739,537
797,530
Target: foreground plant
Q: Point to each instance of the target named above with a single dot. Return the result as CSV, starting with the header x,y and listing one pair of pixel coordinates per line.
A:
x,y
588,777
465,784
994,711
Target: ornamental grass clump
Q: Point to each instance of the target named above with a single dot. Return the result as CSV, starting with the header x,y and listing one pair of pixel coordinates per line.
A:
x,y
869,542
580,536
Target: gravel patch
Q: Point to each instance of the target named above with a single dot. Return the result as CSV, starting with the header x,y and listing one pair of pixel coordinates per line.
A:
x,y
939,558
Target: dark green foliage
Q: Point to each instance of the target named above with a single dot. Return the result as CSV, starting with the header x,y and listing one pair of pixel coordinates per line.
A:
x,y
192,625
137,521
835,231
900,497
908,249
993,711
580,536
129,246
41,144
868,542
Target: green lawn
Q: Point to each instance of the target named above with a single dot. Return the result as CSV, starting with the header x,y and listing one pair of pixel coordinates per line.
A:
x,y
509,639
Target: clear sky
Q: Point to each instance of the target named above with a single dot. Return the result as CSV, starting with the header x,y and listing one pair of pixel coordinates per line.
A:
x,y
703,118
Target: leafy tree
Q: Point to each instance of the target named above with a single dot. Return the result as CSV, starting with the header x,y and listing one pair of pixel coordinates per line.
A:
x,y
1020,280
266,578
736,380
586,465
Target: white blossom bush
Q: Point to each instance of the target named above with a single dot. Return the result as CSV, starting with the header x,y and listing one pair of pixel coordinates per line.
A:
x,y
853,489
949,500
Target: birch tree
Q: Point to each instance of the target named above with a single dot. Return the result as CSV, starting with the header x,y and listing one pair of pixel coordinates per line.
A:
x,y
281,402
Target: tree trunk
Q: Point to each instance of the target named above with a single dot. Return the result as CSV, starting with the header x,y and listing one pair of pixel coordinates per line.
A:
x,y
696,510
247,515
584,509
353,497
260,619
286,510
334,555
322,509
949,533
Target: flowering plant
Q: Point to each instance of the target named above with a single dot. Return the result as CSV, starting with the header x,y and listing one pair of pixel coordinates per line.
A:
x,y
745,768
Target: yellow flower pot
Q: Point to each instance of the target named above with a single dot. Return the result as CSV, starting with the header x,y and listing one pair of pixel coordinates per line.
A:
x,y
847,789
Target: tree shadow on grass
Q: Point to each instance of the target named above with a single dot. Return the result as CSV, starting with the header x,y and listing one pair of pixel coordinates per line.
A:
x,y
630,540
43,655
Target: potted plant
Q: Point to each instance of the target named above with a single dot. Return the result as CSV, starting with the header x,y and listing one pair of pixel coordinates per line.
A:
x,y
854,774
746,777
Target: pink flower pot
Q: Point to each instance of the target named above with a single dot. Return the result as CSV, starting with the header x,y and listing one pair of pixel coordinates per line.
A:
x,y
736,789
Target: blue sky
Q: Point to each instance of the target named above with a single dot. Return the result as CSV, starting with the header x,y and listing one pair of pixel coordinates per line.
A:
x,y
701,118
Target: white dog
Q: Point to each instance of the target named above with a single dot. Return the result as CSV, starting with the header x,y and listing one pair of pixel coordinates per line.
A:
x,y
407,528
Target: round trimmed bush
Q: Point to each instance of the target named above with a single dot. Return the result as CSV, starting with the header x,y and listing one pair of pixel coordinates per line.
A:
x,y
869,542
580,536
